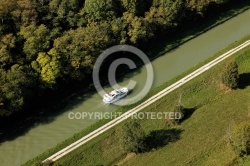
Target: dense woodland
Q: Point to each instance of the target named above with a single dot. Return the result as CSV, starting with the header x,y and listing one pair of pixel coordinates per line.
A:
x,y
47,43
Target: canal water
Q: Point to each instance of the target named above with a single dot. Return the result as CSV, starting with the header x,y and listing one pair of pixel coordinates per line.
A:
x,y
46,135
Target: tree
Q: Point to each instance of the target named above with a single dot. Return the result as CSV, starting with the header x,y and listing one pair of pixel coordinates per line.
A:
x,y
50,66
5,57
27,12
241,138
100,10
137,7
131,28
7,43
37,40
132,137
79,48
8,16
64,13
16,86
201,5
119,29
230,75
165,15
138,31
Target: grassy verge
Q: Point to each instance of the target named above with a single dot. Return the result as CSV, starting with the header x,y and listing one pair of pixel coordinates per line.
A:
x,y
169,46
199,140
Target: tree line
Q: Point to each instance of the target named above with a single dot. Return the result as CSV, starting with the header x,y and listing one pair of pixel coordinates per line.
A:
x,y
45,43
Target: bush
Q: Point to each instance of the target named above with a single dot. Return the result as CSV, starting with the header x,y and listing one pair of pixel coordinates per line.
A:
x,y
172,122
230,75
241,139
132,137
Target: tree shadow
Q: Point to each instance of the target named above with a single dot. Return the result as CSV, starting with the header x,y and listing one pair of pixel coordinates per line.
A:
x,y
46,112
244,80
188,112
159,138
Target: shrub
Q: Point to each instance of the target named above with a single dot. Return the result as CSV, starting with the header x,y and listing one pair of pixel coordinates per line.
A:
x,y
230,75
132,137
172,122
241,139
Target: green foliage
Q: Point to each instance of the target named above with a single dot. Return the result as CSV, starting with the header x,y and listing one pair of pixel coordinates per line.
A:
x,y
8,16
171,121
27,11
202,5
78,47
165,14
230,75
137,30
5,57
7,43
132,137
37,40
64,12
15,86
241,139
137,7
100,10
50,66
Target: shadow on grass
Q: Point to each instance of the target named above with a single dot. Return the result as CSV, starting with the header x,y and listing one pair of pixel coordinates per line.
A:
x,y
244,80
188,112
159,138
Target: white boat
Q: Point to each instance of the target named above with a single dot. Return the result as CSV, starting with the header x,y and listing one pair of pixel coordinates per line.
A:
x,y
115,95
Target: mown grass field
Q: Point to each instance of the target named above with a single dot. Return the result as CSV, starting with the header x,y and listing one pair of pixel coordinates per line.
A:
x,y
199,140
